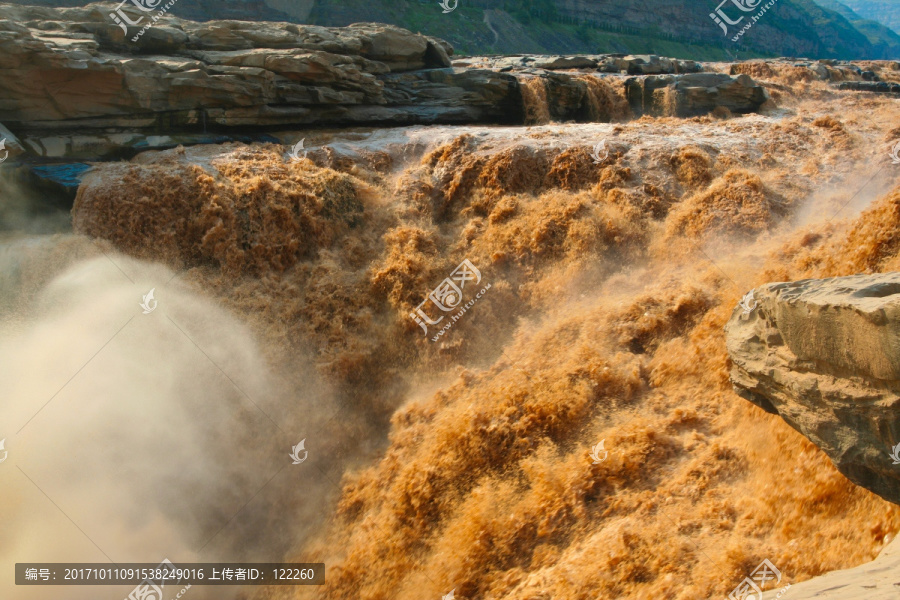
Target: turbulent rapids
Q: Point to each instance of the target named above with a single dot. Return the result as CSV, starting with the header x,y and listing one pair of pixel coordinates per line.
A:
x,y
464,463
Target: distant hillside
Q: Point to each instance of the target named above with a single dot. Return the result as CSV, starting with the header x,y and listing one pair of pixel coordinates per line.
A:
x,y
678,28
881,36
886,12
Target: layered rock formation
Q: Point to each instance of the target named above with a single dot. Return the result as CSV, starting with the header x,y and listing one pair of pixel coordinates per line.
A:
x,y
643,64
825,355
691,95
821,70
83,82
75,85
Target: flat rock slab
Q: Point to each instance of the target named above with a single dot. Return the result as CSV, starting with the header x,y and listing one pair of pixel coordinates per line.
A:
x,y
825,355
875,580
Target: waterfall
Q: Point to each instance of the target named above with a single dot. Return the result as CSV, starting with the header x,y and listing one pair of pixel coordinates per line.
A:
x,y
534,100
605,103
665,102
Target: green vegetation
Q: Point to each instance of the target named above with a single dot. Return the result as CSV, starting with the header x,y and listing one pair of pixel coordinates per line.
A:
x,y
529,11
598,41
680,28
802,27
876,31
543,29
886,12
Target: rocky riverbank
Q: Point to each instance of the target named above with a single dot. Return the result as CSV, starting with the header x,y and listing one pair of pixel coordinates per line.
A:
x,y
75,84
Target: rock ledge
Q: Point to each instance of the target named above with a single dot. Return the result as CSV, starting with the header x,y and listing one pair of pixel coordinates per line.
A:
x,y
825,355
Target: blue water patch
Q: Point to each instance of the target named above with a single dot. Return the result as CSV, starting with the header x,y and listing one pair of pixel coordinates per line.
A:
x,y
67,175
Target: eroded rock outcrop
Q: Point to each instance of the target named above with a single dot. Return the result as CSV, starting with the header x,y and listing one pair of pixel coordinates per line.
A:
x,y
693,94
82,83
808,70
640,64
825,355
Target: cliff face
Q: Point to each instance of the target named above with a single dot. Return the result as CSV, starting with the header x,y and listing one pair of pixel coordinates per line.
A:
x,y
825,355
673,27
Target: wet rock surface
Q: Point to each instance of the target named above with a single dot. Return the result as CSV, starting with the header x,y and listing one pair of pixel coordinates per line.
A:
x,y
829,70
695,94
643,64
74,83
824,354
